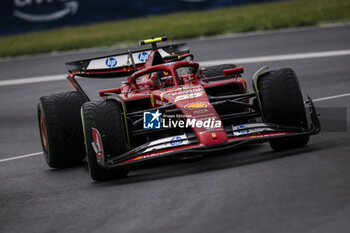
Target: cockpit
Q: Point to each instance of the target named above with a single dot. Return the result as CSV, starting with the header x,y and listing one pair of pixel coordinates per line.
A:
x,y
164,75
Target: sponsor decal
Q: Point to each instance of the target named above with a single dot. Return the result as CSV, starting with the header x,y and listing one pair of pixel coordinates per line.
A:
x,y
169,63
186,91
196,105
152,155
201,111
144,156
143,56
32,10
188,96
111,62
175,141
151,120
242,129
250,129
179,91
167,142
268,135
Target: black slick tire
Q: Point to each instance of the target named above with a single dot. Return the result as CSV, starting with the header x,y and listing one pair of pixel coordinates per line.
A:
x,y
60,128
105,116
282,103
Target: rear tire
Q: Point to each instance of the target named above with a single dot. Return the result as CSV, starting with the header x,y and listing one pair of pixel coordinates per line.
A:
x,y
60,128
213,71
105,116
282,103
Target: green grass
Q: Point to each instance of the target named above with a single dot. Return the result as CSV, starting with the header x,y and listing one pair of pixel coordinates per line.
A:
x,y
265,16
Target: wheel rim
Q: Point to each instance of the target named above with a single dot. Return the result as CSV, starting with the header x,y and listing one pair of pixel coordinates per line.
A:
x,y
43,132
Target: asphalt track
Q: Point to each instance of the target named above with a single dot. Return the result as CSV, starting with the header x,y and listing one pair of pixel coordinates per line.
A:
x,y
249,190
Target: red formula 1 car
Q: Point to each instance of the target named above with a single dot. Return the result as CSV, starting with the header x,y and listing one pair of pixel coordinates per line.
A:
x,y
169,107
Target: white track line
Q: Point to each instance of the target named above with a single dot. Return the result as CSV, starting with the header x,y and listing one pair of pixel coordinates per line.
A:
x,y
201,38
39,153
32,80
21,157
331,97
294,56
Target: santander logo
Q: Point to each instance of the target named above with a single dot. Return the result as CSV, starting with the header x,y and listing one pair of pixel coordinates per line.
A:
x,y
24,9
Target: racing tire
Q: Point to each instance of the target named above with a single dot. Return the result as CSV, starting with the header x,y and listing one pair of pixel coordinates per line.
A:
x,y
105,116
282,103
213,71
60,129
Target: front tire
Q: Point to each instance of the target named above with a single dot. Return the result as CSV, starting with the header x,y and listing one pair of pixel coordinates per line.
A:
x,y
282,103
105,116
60,128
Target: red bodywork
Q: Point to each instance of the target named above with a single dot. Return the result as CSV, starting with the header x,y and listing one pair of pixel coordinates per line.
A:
x,y
187,92
193,88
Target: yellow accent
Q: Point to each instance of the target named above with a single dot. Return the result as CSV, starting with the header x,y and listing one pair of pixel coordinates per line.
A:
x,y
213,135
197,105
150,41
152,99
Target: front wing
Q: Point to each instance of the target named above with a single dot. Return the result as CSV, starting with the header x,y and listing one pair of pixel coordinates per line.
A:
x,y
158,149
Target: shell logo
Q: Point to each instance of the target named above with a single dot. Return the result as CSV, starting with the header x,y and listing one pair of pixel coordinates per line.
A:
x,y
197,105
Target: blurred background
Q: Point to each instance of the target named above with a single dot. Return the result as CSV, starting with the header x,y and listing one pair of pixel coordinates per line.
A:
x,y
18,16
45,26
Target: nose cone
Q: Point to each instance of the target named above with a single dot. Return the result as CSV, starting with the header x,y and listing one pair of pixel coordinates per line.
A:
x,y
198,112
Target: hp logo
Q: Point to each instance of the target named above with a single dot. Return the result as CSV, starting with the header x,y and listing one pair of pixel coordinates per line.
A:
x,y
111,62
174,141
143,56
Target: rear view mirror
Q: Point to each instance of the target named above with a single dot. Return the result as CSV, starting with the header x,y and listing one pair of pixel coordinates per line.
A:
x,y
237,70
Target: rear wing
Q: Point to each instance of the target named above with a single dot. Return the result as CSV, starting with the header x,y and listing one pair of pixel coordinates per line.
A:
x,y
121,65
